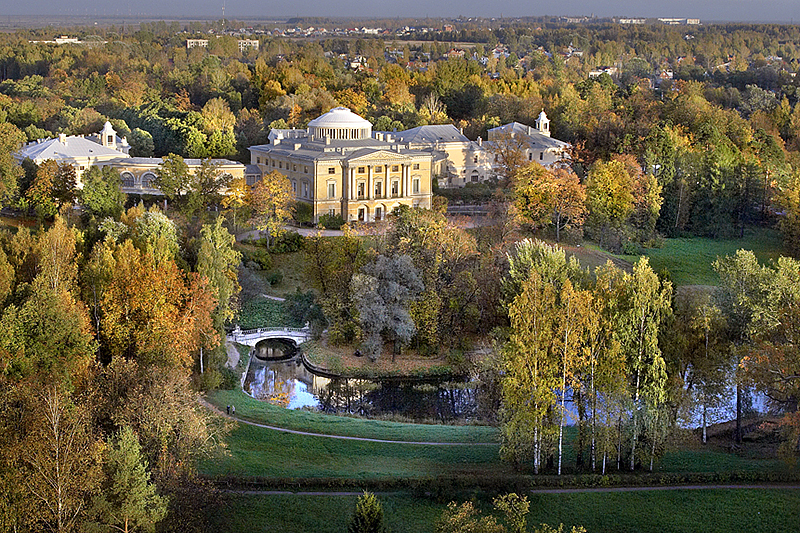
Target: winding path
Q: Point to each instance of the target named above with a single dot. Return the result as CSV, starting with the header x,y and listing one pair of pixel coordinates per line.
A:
x,y
213,408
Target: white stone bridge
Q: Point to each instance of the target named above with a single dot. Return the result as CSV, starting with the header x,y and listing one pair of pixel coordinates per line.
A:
x,y
251,337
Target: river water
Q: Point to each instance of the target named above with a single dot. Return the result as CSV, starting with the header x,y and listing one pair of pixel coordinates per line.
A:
x,y
277,374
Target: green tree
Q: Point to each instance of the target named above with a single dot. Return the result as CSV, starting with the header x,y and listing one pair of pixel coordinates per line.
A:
x,y
11,140
128,500
368,515
382,293
102,194
172,178
141,142
743,298
218,261
647,303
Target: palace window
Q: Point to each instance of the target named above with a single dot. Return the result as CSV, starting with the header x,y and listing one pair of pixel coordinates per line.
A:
x,y
530,157
395,188
378,189
305,170
541,156
415,185
331,190
361,190
416,166
294,187
331,170
360,170
305,189
395,168
378,169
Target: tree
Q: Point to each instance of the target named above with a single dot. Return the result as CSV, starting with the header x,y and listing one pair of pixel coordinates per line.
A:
x,y
11,140
330,264
141,142
509,154
127,501
609,196
743,298
61,458
550,198
647,302
236,198
368,515
206,185
271,202
530,373
381,294
102,194
172,178
218,261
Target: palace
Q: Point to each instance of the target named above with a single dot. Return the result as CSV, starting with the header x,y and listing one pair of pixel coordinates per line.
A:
x,y
106,148
340,167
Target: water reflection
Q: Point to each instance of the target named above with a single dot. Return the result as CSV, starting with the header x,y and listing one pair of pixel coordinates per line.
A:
x,y
290,384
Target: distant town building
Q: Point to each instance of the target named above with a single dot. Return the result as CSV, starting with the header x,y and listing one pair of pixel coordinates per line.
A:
x,y
245,44
192,43
632,21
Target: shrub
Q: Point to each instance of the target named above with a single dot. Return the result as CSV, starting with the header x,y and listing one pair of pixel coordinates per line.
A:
x,y
229,378
368,516
287,242
275,278
329,221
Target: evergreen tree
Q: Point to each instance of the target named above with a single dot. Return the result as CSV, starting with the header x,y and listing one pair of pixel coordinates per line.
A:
x,y
128,501
368,516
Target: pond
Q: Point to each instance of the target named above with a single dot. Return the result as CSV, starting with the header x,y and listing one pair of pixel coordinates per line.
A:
x,y
277,374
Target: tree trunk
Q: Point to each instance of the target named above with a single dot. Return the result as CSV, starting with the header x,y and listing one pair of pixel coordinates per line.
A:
x,y
578,401
738,435
705,423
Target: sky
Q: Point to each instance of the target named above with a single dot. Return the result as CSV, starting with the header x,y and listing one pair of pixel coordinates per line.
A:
x,y
710,10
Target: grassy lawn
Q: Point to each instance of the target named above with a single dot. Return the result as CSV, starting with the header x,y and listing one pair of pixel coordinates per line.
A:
x,y
265,413
261,452
291,266
320,514
689,260
690,511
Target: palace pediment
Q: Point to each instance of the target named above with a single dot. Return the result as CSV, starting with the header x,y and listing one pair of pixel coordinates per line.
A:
x,y
377,156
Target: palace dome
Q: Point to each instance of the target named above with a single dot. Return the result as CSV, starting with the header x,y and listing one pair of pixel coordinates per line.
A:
x,y
341,124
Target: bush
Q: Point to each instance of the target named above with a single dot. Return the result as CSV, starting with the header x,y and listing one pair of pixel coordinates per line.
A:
x,y
303,213
275,278
229,379
329,221
209,380
263,258
287,242
368,516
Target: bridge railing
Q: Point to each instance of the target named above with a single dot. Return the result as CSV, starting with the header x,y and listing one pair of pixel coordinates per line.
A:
x,y
304,331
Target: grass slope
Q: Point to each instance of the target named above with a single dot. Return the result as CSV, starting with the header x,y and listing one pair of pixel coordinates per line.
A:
x,y
259,452
265,413
689,260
